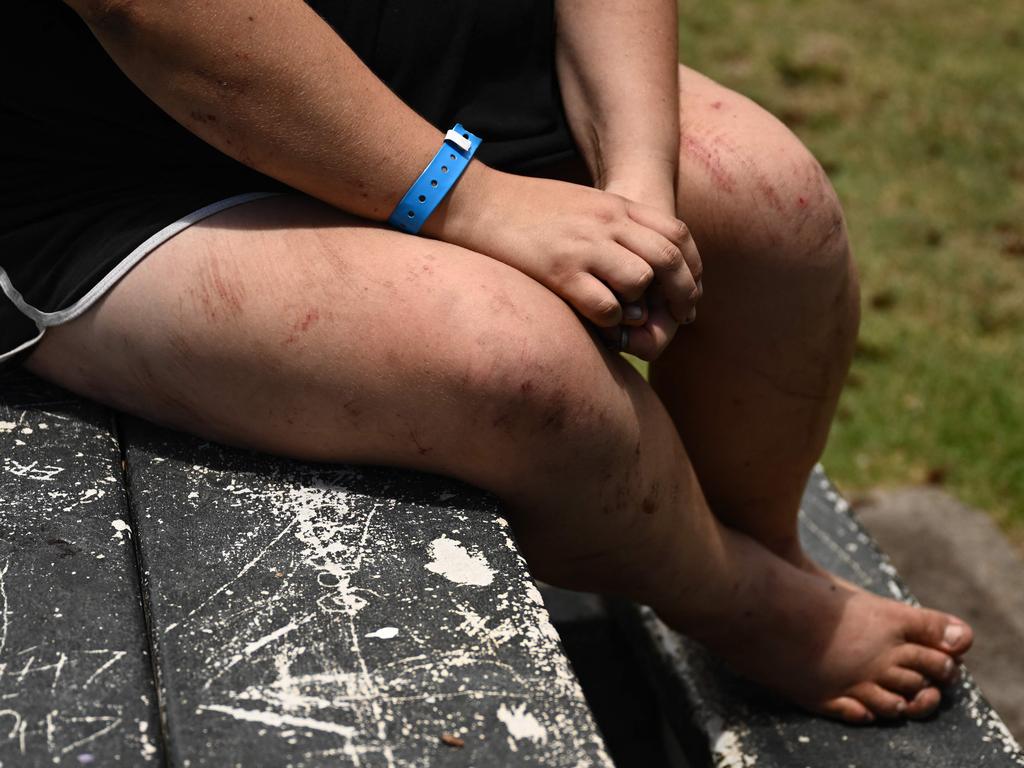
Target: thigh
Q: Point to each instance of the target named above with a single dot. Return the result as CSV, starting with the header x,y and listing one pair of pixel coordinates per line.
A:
x,y
287,326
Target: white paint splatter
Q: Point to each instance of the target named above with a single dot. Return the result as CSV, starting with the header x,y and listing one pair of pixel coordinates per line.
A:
x,y
384,633
120,526
148,748
521,725
451,560
7,426
727,748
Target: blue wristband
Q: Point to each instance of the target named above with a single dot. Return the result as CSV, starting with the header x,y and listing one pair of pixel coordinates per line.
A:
x,y
436,181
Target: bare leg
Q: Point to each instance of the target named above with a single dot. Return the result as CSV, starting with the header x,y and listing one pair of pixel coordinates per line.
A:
x,y
753,384
286,326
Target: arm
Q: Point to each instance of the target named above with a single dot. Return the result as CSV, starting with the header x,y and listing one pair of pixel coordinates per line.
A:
x,y
271,85
618,70
274,87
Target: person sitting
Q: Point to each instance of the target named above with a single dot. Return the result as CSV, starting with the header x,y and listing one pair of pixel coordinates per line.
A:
x,y
194,232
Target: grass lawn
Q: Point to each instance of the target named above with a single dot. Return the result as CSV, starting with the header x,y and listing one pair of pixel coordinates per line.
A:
x,y
916,109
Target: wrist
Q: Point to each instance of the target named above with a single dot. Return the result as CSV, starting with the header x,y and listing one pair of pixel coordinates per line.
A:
x,y
465,209
654,189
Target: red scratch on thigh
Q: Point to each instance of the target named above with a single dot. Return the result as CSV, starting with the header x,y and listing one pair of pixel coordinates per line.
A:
x,y
311,317
229,291
307,321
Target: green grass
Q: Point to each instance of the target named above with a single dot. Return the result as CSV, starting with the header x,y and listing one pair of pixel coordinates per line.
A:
x,y
916,109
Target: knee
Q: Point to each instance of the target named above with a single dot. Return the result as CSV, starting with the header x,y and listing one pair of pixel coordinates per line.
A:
x,y
771,203
539,377
798,218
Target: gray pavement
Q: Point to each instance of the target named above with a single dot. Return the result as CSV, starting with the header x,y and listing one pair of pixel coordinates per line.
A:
x,y
955,558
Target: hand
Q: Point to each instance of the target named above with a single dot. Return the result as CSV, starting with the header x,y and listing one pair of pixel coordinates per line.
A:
x,y
655,187
593,248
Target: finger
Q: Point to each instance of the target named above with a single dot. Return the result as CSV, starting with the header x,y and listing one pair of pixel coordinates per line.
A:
x,y
634,314
624,271
593,299
670,268
649,340
671,229
613,338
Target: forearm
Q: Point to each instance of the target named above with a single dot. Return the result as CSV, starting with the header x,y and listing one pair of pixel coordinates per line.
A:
x,y
617,67
274,87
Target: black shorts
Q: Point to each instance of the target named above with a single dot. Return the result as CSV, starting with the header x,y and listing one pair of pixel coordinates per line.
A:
x,y
94,176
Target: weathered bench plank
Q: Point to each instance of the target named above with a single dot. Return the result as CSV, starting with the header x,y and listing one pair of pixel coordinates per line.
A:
x,y
735,725
308,615
75,681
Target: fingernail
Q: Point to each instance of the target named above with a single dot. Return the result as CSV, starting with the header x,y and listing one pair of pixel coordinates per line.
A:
x,y
947,668
869,717
901,708
632,312
953,634
690,317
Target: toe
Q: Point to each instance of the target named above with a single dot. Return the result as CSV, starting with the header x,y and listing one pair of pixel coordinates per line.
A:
x,y
940,630
924,703
906,682
848,709
880,701
933,664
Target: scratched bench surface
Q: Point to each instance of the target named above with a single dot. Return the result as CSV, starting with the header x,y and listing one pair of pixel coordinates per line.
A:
x,y
311,615
75,681
725,722
298,615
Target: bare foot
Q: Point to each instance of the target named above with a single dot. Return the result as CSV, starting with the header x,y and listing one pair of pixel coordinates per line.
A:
x,y
823,643
922,699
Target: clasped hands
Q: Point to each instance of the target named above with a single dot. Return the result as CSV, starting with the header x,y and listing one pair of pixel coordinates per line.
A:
x,y
619,262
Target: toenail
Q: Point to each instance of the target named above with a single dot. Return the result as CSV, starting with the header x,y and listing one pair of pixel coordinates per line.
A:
x,y
953,634
901,708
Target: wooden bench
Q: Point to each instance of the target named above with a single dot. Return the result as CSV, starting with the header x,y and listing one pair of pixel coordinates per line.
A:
x,y
164,600
169,601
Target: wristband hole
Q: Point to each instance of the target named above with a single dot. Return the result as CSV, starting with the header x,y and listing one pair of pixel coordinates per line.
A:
x,y
465,135
452,157
423,198
411,214
444,169
433,182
